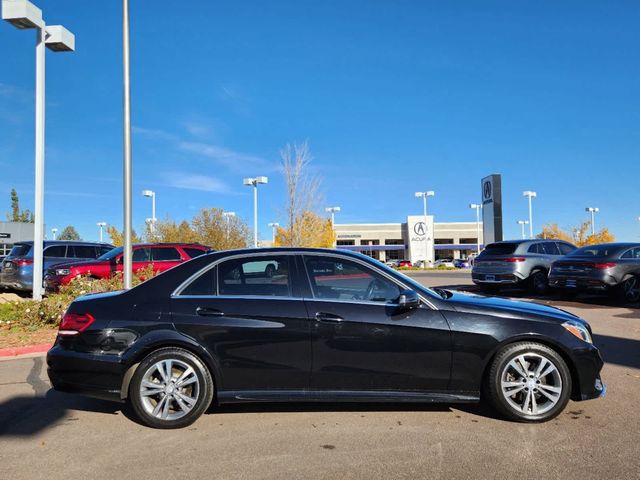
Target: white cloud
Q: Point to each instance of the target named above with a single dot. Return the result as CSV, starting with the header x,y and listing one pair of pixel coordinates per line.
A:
x,y
197,182
154,134
226,157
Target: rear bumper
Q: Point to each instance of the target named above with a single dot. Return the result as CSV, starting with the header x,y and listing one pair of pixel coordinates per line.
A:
x,y
98,376
17,281
496,278
600,283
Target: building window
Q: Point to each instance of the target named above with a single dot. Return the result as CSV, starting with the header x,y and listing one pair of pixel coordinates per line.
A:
x,y
468,241
371,253
394,242
441,241
345,242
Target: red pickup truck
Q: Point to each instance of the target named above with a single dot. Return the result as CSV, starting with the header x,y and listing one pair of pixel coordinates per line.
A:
x,y
161,256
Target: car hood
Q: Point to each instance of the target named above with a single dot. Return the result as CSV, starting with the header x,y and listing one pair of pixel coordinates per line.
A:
x,y
503,307
80,263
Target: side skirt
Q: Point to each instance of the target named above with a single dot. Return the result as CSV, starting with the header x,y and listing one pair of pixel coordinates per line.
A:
x,y
242,396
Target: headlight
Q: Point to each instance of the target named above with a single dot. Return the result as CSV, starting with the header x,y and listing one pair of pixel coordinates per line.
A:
x,y
579,330
62,271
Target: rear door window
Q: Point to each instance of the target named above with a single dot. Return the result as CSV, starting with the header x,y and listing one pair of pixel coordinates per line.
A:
x,y
142,255
550,248
264,276
56,251
165,254
82,251
535,248
204,285
632,254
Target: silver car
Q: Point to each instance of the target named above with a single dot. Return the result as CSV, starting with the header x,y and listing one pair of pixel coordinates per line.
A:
x,y
518,262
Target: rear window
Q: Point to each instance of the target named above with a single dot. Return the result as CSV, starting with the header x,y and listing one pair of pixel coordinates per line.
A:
x,y
594,251
20,250
194,252
500,248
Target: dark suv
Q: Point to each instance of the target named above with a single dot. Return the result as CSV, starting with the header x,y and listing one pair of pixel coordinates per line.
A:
x,y
17,267
518,262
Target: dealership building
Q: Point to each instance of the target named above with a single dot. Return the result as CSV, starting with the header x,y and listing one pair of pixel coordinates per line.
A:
x,y
13,232
416,239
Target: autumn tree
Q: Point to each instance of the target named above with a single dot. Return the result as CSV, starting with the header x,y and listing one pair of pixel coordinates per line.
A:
x,y
312,231
69,233
117,237
18,215
579,236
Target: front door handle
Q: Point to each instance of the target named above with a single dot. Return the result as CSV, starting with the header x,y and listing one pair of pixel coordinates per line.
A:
x,y
328,317
209,312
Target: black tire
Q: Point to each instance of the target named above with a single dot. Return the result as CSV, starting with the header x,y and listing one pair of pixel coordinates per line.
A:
x,y
545,408
202,390
629,289
538,282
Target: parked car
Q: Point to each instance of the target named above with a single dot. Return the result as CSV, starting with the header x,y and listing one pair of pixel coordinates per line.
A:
x,y
444,263
609,267
329,326
162,256
17,267
524,263
404,263
461,263
391,263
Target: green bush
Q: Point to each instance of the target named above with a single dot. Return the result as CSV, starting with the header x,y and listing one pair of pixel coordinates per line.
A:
x,y
30,314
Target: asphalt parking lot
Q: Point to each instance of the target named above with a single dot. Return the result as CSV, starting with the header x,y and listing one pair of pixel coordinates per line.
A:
x,y
50,435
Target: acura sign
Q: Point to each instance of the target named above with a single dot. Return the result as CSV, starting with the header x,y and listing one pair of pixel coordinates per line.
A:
x,y
491,192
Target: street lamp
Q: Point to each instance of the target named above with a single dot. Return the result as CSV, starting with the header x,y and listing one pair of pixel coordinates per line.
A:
x,y
522,223
477,207
530,194
593,211
274,226
424,196
332,211
53,232
152,194
254,182
228,215
22,14
101,225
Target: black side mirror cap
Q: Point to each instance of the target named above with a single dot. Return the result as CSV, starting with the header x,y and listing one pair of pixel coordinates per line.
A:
x,y
408,300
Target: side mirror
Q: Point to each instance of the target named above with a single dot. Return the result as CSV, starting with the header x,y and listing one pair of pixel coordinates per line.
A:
x,y
408,300
119,260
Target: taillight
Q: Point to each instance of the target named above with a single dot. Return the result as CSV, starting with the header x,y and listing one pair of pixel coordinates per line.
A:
x,y
603,266
23,261
74,323
514,259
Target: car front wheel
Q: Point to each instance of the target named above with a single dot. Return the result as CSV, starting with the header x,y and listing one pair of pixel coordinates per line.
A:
x,y
171,388
529,382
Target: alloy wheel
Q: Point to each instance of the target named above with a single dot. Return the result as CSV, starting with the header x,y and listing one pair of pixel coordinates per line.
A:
x,y
631,288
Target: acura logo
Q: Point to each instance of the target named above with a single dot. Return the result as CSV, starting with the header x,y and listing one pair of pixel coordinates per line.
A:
x,y
486,190
420,228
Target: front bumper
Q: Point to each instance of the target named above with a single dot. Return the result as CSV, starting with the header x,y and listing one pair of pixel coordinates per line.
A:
x,y
588,363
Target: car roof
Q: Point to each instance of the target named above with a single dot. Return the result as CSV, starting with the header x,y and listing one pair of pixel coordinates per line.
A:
x,y
65,242
613,245
169,244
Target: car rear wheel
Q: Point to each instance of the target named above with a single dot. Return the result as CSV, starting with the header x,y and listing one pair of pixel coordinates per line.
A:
x,y
630,289
539,282
529,382
171,388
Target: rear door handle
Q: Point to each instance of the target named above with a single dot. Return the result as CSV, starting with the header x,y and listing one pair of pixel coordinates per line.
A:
x,y
209,312
328,317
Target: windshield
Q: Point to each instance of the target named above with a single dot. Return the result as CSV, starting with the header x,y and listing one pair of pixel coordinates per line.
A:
x,y
111,254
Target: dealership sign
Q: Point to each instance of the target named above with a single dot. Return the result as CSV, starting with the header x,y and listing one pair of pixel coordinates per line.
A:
x,y
420,231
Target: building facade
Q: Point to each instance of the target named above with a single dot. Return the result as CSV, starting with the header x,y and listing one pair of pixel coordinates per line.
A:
x,y
13,232
416,239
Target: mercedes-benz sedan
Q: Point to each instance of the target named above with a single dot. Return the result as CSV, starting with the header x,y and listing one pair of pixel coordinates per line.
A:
x,y
265,325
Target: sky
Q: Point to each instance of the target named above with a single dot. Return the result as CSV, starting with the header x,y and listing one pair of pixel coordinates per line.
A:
x,y
393,97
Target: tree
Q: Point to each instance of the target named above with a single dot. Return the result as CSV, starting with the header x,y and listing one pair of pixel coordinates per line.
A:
x,y
117,237
209,227
69,233
311,230
580,236
17,215
304,228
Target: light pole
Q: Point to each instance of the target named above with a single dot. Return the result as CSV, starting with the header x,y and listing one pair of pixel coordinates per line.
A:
x,y
522,223
152,194
274,226
530,194
477,207
23,14
101,225
332,211
127,184
254,182
593,211
53,232
424,196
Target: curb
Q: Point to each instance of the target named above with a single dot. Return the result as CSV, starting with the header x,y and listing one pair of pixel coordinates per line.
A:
x,y
15,351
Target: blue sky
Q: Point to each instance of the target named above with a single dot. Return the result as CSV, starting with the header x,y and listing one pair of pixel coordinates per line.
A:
x,y
393,97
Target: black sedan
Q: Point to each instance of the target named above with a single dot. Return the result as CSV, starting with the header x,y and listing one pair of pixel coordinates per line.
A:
x,y
608,267
316,325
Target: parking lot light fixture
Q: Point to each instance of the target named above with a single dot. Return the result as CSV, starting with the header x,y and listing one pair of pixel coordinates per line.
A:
x,y
23,15
531,195
477,207
152,194
593,211
424,195
274,226
101,225
522,223
254,182
54,231
332,211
